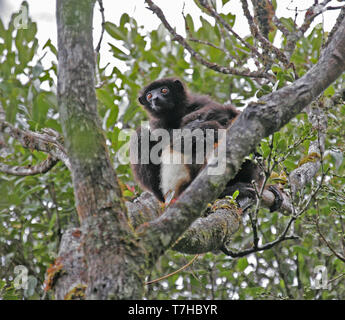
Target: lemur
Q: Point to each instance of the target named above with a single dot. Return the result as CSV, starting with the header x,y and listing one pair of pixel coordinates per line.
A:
x,y
171,106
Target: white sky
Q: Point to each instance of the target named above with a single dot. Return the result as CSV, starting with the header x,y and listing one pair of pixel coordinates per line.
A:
x,y
43,12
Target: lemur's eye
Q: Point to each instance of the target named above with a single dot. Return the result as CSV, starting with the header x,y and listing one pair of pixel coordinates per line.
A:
x,y
149,96
164,90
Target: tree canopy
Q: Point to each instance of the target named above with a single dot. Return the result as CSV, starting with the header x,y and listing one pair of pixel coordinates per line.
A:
x,y
45,157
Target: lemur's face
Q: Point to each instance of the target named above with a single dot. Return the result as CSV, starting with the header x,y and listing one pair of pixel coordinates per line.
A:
x,y
159,100
164,98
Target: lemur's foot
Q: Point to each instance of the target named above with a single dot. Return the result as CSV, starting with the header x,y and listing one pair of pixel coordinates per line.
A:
x,y
278,198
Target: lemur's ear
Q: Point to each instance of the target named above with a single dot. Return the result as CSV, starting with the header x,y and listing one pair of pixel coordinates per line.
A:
x,y
179,85
142,100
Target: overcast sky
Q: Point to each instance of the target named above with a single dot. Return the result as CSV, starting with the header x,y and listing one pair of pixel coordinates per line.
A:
x,y
43,12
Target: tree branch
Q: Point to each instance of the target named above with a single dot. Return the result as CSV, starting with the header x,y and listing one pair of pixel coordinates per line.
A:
x,y
336,25
48,141
299,177
338,255
101,9
210,233
40,168
143,209
311,14
258,35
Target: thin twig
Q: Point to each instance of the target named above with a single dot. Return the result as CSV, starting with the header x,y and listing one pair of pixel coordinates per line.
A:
x,y
101,9
268,245
336,26
336,278
338,255
172,273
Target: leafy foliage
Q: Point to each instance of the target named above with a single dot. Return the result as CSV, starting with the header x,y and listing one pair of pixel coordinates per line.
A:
x,y
35,210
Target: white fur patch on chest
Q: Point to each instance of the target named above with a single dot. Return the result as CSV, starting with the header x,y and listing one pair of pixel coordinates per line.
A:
x,y
174,173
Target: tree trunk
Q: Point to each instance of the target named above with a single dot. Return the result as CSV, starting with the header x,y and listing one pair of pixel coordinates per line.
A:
x,y
115,262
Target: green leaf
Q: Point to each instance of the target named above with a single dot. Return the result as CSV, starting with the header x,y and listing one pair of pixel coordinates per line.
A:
x,y
130,112
265,148
242,264
288,23
49,45
329,92
52,221
118,53
289,164
105,97
299,249
40,109
124,19
112,116
30,33
114,31
235,195
2,28
11,111
229,18
190,23
282,145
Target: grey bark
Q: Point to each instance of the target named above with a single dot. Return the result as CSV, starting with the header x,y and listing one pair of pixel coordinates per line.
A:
x,y
115,260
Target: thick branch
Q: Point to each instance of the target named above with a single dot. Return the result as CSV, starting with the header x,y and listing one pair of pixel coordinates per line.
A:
x,y
48,142
40,168
206,233
210,233
306,171
143,209
71,280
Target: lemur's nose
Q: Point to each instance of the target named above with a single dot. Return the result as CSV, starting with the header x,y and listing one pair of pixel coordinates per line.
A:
x,y
154,96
